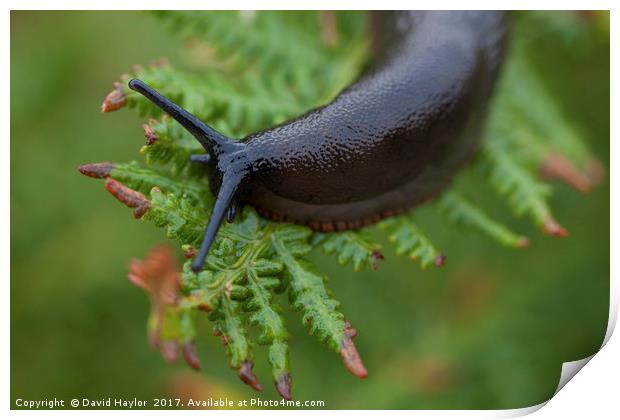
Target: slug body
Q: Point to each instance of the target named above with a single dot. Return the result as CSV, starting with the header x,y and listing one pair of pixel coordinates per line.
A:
x,y
390,141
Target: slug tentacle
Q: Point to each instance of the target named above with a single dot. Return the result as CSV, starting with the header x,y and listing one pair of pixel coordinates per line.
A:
x,y
204,158
209,138
224,206
232,212
225,156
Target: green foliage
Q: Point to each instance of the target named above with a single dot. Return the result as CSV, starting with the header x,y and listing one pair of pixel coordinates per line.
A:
x,y
183,221
270,66
229,105
542,124
307,71
525,194
463,212
267,315
307,291
178,325
276,76
169,145
142,179
412,241
229,325
350,247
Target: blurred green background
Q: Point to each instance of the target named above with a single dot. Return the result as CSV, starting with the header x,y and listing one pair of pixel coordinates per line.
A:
x,y
489,330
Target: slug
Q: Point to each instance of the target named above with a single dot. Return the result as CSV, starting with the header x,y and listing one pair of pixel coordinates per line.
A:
x,y
390,141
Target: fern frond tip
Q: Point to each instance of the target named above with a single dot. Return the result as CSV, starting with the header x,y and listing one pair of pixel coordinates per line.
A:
x,y
283,386
349,354
246,374
551,227
114,100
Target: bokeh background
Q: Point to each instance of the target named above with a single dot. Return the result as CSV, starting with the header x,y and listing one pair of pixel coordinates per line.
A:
x,y
489,330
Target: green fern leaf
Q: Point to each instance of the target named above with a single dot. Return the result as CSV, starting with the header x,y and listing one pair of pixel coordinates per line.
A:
x,y
411,240
143,180
524,193
266,315
254,41
232,106
350,247
229,326
183,221
527,96
169,145
462,212
307,288
310,296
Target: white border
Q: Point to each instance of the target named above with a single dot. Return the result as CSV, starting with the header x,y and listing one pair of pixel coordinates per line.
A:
x,y
595,393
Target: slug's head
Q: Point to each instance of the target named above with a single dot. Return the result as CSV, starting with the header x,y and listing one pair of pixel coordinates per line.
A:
x,y
230,169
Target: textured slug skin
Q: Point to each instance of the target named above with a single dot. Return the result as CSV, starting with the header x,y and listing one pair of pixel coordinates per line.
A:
x,y
391,140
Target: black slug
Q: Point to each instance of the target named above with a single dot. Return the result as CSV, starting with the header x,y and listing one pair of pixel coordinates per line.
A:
x,y
390,141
